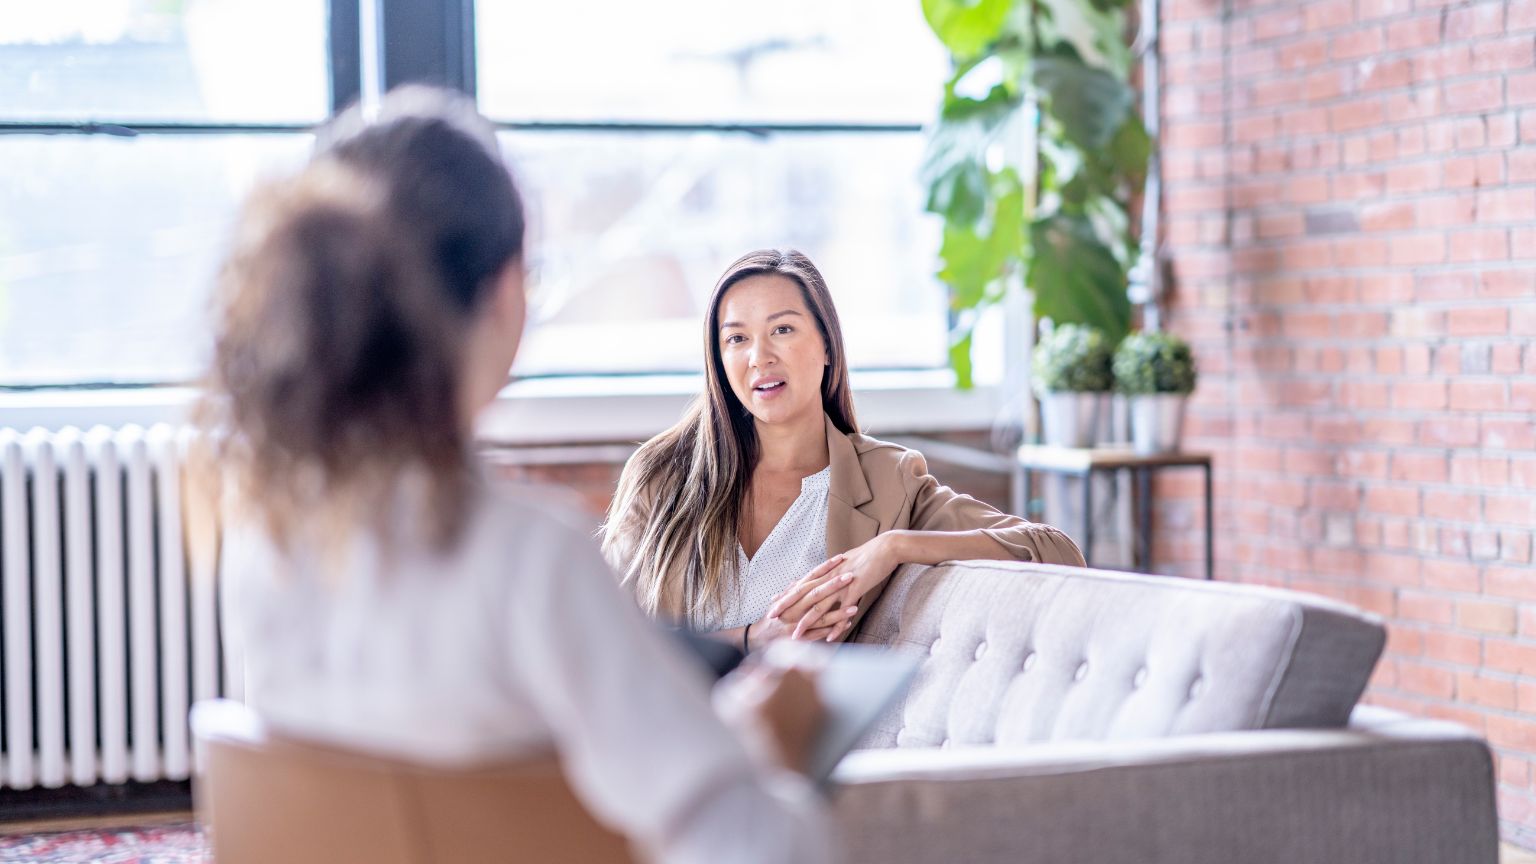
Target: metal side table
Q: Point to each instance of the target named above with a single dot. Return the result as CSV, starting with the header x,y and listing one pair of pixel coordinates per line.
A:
x,y
1084,462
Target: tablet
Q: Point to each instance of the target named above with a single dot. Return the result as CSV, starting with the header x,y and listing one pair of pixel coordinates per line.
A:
x,y
857,684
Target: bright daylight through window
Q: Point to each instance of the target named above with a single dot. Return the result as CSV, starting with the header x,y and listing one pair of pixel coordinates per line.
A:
x,y
655,141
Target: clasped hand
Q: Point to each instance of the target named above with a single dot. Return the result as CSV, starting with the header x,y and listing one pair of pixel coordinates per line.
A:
x,y
822,605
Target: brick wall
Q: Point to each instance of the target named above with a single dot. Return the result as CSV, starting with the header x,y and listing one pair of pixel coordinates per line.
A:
x,y
1351,217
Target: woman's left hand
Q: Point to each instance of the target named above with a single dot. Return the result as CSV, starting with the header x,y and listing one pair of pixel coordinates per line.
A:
x,y
821,603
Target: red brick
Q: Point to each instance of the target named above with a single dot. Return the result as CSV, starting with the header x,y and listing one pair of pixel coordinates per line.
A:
x,y
1434,681
1473,470
1492,692
1419,467
1481,245
1418,32
1414,177
1521,165
1454,648
1509,656
1386,288
1477,321
1451,576
1506,205
1446,286
1354,44
1486,617
1471,133
1507,284
1515,583
1389,216
1452,209
1424,608
1449,432
1475,96
1394,500
1477,394
1419,395
1521,89
1505,360
1443,504
1467,22
1329,15
1521,16
1498,434
1522,392
1357,114
1510,509
1416,249
1360,251
1499,55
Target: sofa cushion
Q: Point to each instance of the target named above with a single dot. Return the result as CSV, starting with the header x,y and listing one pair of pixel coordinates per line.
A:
x,y
1020,653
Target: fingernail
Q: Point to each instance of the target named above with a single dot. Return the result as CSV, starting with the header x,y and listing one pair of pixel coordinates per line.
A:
x,y
847,577
852,611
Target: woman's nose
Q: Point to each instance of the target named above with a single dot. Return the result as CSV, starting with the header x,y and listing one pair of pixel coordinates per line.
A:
x,y
762,356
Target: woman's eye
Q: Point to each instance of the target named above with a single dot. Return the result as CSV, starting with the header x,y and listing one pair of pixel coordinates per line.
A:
x,y
734,338
783,328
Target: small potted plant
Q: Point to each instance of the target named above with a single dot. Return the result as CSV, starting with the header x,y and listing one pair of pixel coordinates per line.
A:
x,y
1071,375
1156,372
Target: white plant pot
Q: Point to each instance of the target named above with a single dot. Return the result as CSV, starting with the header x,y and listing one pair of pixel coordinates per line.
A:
x,y
1157,422
1070,419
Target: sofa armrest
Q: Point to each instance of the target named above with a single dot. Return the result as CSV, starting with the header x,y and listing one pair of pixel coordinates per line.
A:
x,y
1409,792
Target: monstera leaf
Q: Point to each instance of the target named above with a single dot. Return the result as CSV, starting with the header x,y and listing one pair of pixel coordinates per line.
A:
x,y
954,165
1090,103
1075,278
966,28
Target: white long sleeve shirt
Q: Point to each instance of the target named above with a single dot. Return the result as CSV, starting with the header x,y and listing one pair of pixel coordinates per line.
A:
x,y
517,640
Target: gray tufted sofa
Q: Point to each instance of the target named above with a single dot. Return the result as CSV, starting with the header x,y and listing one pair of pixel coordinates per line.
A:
x,y
1069,715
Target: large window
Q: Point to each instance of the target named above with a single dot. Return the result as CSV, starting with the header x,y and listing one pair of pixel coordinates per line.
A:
x,y
655,141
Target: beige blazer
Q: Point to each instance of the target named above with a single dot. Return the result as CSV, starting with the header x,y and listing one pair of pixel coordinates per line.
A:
x,y
878,486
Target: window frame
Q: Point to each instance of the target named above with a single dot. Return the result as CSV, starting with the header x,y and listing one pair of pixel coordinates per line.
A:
x,y
440,48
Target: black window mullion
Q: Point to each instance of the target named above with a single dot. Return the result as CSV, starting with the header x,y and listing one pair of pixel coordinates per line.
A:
x,y
345,53
428,41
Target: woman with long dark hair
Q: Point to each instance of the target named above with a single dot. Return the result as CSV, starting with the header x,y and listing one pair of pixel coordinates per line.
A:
x,y
764,512
389,593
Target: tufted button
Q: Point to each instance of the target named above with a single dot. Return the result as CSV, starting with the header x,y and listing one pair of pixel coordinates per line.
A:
x,y
1029,661
1082,671
934,648
980,650
1196,687
1141,677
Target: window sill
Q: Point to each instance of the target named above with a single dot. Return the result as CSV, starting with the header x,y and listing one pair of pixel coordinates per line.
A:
x,y
557,410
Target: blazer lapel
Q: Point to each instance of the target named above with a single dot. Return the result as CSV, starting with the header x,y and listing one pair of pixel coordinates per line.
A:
x,y
848,489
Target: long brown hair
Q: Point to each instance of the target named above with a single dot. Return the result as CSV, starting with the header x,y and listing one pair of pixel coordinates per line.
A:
x,y
341,314
695,476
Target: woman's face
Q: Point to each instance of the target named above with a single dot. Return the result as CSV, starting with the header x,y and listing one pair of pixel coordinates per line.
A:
x,y
773,352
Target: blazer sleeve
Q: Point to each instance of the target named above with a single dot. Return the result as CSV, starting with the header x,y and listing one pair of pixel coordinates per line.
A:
x,y
936,507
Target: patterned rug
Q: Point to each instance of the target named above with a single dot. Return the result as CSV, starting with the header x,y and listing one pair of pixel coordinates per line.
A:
x,y
159,844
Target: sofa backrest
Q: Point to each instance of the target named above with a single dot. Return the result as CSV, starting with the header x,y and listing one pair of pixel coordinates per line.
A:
x,y
1020,653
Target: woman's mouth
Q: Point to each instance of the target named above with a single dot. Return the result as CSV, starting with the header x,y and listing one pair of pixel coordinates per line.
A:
x,y
765,388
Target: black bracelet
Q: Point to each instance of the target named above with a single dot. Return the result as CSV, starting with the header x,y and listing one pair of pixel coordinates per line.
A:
x,y
745,648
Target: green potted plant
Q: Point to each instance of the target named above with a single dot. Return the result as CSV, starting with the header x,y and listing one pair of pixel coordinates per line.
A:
x,y
1035,161
1156,372
1072,375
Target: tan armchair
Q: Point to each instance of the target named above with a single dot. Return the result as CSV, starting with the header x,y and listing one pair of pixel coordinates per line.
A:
x,y
266,798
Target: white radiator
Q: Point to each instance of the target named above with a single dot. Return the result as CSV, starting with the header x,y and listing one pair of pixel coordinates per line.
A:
x,y
108,616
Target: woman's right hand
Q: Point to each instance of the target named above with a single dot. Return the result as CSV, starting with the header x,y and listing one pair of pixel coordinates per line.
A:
x,y
833,623
779,708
